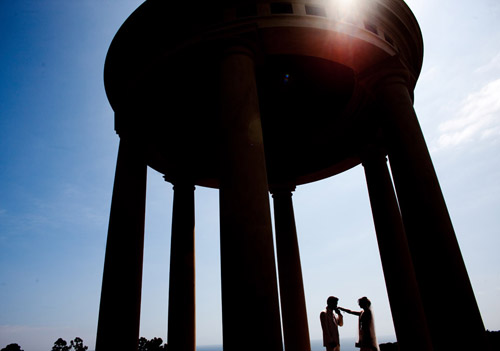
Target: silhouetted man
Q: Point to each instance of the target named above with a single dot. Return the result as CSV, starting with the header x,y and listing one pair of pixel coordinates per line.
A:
x,y
331,320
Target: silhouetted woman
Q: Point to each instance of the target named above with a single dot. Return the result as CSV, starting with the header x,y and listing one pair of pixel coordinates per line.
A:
x,y
366,327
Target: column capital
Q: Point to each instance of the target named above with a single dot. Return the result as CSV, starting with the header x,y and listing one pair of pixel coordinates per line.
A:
x,y
183,186
282,189
388,72
181,183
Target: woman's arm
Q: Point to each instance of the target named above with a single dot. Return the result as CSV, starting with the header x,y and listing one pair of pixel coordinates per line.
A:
x,y
356,313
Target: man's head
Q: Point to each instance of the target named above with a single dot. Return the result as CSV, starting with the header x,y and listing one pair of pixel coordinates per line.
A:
x,y
331,302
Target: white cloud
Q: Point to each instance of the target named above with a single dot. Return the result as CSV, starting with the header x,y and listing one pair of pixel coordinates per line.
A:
x,y
493,65
477,120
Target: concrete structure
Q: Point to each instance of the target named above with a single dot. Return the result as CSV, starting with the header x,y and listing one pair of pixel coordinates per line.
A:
x,y
252,96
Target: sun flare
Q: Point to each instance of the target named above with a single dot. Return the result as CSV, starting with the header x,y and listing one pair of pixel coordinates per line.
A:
x,y
347,5
346,8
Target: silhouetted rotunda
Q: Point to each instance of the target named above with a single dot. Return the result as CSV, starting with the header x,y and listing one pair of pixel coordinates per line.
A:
x,y
258,96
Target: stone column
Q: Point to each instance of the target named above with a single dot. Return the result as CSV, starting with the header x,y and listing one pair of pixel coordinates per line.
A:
x,y
293,303
120,308
181,300
406,306
449,303
250,306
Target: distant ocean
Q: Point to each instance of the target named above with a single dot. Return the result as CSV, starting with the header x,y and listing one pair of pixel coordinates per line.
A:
x,y
346,344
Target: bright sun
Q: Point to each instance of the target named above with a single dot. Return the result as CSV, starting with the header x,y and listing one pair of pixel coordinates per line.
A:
x,y
346,6
346,3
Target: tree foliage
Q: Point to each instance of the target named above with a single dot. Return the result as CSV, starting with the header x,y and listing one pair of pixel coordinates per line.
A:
x,y
155,344
61,345
12,347
75,345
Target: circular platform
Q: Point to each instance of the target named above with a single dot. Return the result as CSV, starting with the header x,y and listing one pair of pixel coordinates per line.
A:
x,y
162,79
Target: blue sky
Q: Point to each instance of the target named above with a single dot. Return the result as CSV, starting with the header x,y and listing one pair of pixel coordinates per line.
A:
x,y
58,152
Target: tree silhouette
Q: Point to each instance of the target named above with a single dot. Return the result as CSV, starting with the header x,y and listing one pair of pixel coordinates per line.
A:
x,y
60,345
77,345
154,344
142,344
12,347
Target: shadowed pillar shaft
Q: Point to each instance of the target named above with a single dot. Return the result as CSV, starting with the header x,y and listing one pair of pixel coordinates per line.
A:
x,y
181,301
293,303
406,306
449,303
250,307
120,307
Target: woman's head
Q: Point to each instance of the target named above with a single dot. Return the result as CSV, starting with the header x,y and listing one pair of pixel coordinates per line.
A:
x,y
364,302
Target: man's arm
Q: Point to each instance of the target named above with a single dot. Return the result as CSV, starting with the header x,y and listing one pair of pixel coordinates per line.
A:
x,y
340,319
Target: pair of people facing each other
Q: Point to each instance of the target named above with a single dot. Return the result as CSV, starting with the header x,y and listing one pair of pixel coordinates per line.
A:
x,y
331,318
